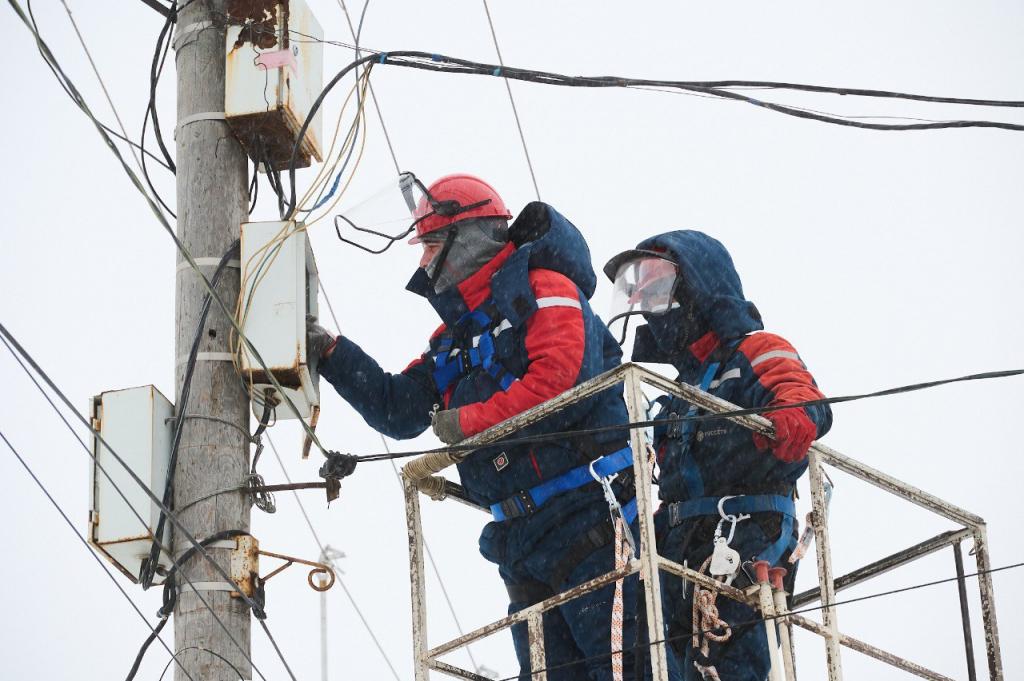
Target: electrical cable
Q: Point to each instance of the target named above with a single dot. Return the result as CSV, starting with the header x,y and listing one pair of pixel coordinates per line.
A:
x,y
566,434
512,101
356,35
155,631
761,620
443,63
320,545
96,71
156,67
12,346
51,61
205,650
181,407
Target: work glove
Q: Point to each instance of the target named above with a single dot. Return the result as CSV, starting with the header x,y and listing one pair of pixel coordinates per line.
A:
x,y
319,341
446,426
794,433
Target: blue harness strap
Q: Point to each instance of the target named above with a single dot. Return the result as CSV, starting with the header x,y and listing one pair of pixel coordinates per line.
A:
x,y
692,478
450,363
529,500
755,503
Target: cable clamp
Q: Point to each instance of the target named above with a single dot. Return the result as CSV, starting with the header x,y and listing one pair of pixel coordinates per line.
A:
x,y
208,357
206,586
195,118
207,262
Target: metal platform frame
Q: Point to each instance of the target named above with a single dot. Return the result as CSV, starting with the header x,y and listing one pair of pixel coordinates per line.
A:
x,y
649,563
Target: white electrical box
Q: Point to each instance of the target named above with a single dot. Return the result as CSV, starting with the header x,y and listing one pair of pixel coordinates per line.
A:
x,y
136,424
279,288
274,74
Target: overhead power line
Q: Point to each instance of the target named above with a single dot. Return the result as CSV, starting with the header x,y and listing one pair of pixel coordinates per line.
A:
x,y
512,101
42,488
566,434
76,96
760,620
15,349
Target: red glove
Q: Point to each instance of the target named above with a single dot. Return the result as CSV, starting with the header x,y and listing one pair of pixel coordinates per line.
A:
x,y
794,433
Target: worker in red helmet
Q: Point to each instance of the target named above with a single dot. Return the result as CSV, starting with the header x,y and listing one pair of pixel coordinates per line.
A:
x,y
517,330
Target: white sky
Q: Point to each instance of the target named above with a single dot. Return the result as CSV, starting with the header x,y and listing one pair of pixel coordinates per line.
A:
x,y
886,258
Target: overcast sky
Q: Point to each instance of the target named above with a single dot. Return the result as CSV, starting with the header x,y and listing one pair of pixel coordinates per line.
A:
x,y
885,257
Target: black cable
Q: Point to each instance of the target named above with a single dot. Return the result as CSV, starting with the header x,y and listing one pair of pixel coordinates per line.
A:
x,y
760,620
567,434
149,566
205,650
443,63
145,647
48,56
12,344
155,632
156,67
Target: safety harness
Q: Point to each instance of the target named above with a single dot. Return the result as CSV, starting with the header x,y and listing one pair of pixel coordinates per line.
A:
x,y
736,508
454,360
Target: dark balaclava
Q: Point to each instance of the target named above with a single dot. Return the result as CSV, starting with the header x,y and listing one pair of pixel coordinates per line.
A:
x,y
475,243
675,330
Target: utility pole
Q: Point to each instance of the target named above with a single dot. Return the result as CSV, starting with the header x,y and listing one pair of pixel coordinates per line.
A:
x,y
327,557
214,454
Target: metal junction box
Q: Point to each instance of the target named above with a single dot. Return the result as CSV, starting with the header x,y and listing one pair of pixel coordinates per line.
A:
x,y
279,288
274,73
136,424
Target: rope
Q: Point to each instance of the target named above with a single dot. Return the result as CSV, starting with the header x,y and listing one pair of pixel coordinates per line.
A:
x,y
708,621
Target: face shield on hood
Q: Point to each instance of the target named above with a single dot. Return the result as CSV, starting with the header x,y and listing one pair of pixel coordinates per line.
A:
x,y
644,284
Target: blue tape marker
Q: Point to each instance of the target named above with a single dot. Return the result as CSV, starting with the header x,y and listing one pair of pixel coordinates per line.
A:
x,y
383,57
497,72
435,57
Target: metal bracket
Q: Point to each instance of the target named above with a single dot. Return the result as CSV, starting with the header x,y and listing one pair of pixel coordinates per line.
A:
x,y
245,564
318,569
195,118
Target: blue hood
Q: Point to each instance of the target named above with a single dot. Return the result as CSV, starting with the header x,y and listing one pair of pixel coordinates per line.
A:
x,y
710,277
544,239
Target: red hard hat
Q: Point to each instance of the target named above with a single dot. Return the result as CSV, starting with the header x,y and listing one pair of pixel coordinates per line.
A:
x,y
461,197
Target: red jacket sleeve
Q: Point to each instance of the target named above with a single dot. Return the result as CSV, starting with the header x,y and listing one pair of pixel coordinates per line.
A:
x,y
555,341
781,374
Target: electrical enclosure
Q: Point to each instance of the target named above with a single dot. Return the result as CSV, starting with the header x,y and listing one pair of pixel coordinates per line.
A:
x,y
136,424
274,73
279,288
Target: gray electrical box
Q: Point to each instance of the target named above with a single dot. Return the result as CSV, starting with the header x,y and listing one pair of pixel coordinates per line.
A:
x,y
136,424
279,288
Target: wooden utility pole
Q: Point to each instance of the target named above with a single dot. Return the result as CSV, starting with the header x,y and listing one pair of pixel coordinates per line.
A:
x,y
213,455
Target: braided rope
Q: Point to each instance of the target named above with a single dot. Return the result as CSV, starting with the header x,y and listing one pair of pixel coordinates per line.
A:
x,y
706,621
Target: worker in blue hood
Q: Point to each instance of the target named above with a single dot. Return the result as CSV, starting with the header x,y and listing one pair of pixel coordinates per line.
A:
x,y
717,480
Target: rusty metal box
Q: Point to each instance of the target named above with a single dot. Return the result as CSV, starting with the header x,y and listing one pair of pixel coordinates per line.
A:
x,y
136,424
279,288
274,73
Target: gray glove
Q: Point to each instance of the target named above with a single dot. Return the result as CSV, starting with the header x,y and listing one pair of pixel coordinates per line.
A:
x,y
318,339
446,426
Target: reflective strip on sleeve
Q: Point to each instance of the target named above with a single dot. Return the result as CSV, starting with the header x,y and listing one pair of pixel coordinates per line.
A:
x,y
731,373
504,326
781,354
558,301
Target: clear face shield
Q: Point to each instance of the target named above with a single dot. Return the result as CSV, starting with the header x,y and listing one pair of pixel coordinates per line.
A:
x,y
394,211
644,285
390,213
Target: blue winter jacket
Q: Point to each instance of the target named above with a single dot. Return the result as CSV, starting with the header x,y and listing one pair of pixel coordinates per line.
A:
x,y
530,304
749,368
